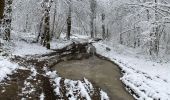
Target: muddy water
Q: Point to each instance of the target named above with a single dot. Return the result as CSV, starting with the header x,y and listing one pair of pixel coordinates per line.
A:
x,y
103,73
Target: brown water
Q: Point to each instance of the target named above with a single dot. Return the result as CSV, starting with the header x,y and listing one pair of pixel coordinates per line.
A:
x,y
103,73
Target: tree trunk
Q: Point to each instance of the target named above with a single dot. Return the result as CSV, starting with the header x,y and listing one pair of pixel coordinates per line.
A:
x,y
45,35
69,22
92,28
53,26
92,17
156,32
40,30
7,19
2,5
107,33
103,27
47,31
26,24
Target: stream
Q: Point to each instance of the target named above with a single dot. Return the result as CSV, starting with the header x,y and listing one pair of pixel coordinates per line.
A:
x,y
102,73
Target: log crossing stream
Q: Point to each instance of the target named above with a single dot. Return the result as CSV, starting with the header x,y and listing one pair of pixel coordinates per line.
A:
x,y
103,73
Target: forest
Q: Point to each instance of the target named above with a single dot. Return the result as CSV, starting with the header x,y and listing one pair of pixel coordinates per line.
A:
x,y
84,49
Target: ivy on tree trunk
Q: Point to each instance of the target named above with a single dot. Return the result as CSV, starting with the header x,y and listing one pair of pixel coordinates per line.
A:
x,y
7,19
45,24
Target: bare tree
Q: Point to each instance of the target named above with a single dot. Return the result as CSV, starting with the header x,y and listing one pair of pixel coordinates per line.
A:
x,y
7,18
103,26
92,16
69,19
2,4
45,35
156,31
26,23
54,20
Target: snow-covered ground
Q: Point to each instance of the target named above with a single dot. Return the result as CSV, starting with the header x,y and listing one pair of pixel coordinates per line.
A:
x,y
22,48
22,45
60,43
149,80
6,67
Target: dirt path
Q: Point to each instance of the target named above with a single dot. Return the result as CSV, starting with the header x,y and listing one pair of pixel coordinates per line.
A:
x,y
28,82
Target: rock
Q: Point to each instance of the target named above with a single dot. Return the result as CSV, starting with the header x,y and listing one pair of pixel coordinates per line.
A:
x,y
108,49
91,49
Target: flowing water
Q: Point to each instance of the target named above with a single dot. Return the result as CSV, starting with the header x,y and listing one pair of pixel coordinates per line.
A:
x,y
103,73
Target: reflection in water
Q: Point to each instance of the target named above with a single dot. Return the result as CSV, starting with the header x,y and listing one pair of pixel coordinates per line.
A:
x,y
103,73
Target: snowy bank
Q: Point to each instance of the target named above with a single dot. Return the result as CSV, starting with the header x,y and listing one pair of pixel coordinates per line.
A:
x,y
22,48
149,80
75,90
6,67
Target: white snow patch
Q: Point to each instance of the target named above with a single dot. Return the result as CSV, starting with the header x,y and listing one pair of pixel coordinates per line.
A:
x,y
51,74
104,96
34,71
23,48
59,44
57,85
83,91
6,67
42,96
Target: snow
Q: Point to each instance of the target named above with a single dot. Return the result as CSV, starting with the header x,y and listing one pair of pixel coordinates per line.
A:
x,y
75,36
80,36
25,36
34,71
74,88
42,97
28,88
59,44
83,91
62,42
6,67
88,86
148,79
57,85
104,96
22,48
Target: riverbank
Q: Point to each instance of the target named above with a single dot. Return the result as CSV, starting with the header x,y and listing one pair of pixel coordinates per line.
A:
x,y
147,79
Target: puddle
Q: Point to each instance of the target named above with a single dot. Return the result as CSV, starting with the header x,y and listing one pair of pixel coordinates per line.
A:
x,y
103,73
